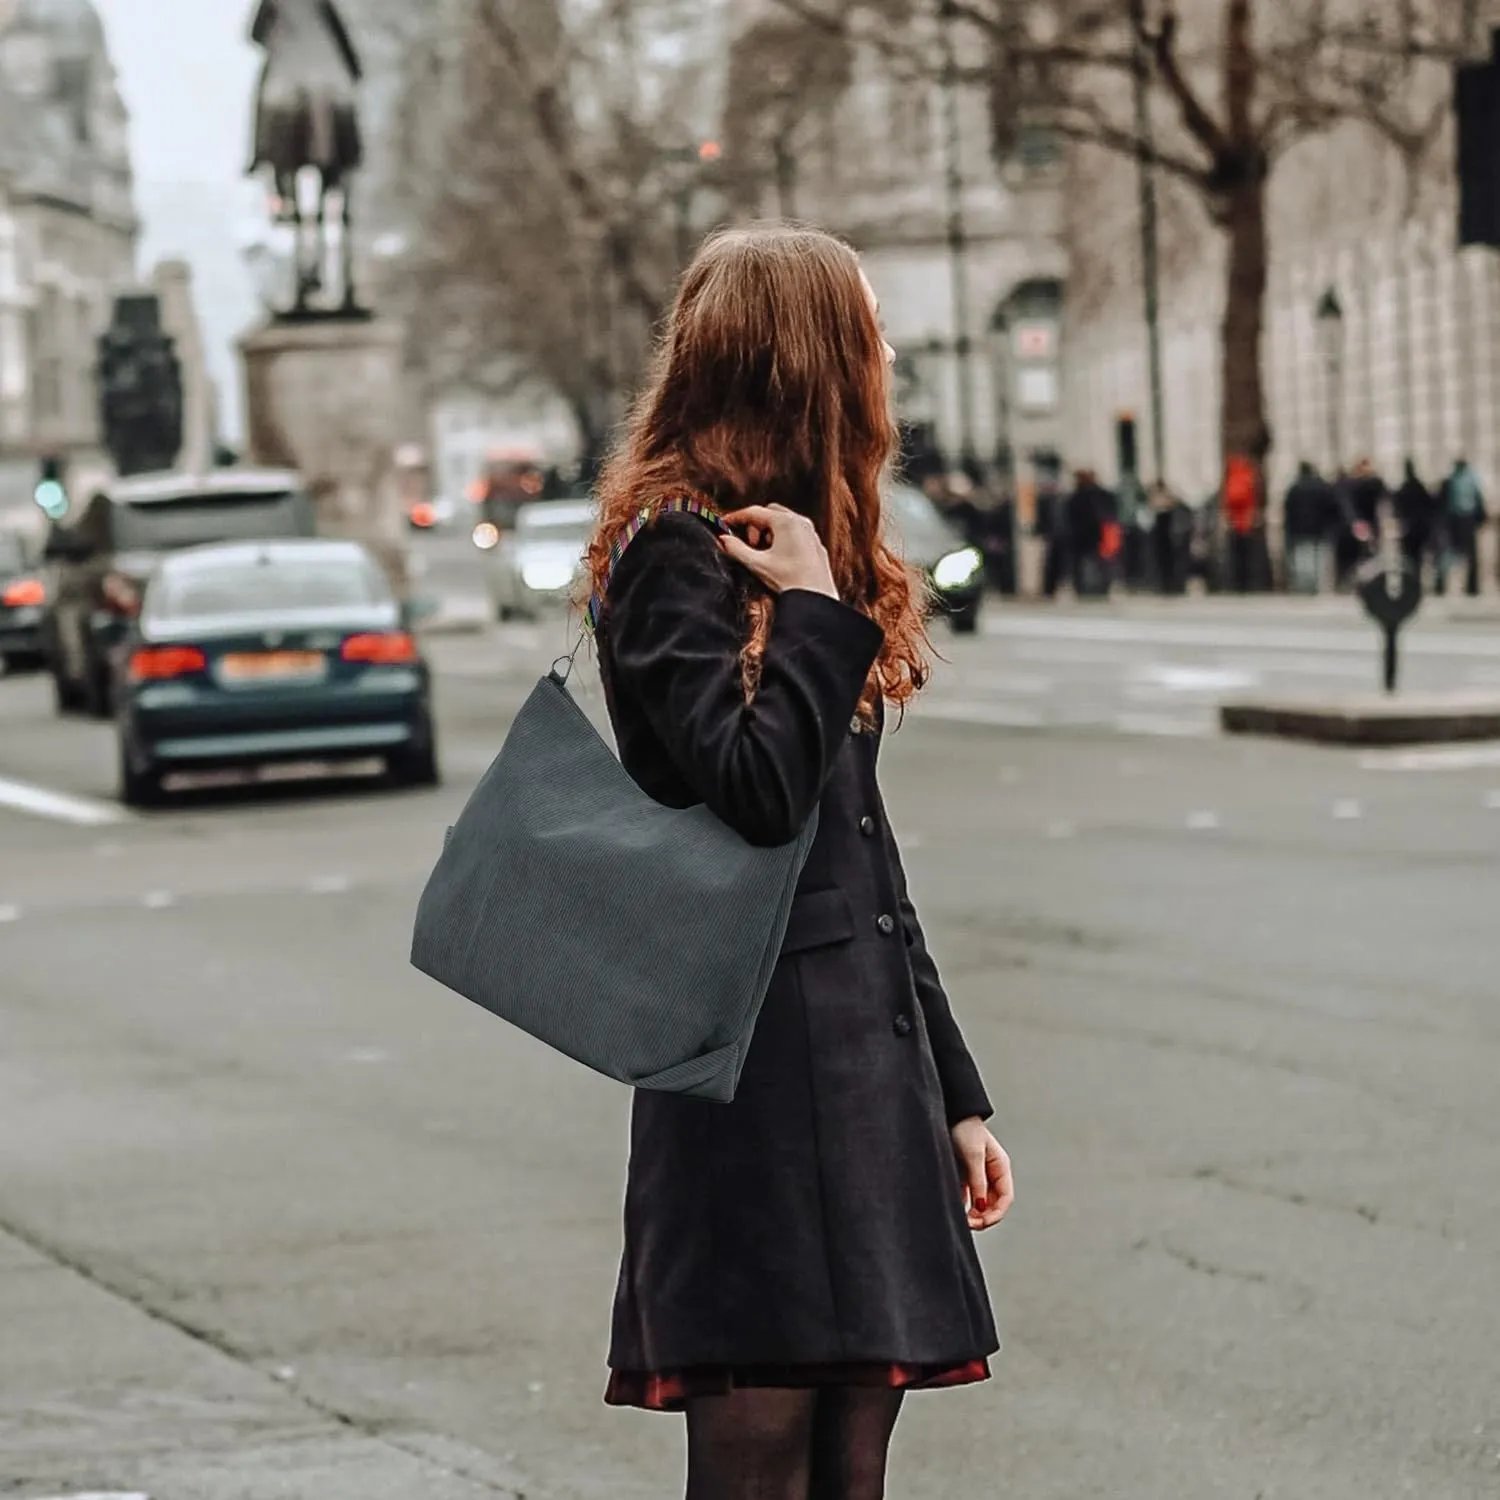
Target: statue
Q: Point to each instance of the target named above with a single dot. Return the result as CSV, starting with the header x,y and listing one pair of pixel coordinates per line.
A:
x,y
307,115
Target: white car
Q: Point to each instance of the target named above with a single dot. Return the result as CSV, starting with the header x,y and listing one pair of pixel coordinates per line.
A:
x,y
538,566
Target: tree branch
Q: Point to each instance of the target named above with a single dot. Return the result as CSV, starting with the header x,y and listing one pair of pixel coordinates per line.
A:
x,y
1200,124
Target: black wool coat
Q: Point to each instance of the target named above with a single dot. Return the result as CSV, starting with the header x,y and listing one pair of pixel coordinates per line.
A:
x,y
818,1218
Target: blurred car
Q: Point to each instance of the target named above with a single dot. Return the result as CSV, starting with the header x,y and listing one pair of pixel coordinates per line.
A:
x,y
104,559
23,603
537,565
512,477
955,572
245,654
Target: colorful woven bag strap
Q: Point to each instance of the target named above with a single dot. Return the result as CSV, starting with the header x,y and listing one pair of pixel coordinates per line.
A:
x,y
685,505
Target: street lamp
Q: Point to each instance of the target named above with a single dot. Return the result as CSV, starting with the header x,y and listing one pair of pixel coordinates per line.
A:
x,y
1329,316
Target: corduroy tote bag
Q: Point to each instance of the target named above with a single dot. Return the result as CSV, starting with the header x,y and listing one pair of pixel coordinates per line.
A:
x,y
562,903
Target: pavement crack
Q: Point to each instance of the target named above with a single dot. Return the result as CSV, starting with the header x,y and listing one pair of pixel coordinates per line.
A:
x,y
1218,1175
372,1430
1212,1268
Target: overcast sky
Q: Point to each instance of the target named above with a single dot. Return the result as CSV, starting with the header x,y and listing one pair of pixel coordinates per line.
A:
x,y
188,75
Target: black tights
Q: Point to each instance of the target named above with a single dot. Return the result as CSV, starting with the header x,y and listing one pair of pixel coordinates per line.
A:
x,y
765,1444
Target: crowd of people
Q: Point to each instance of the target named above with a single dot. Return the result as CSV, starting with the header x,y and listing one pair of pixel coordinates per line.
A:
x,y
1092,540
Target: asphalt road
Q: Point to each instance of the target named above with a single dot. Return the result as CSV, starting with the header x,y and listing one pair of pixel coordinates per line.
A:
x,y
280,1218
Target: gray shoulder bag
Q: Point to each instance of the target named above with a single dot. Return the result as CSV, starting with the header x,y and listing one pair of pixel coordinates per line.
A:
x,y
562,903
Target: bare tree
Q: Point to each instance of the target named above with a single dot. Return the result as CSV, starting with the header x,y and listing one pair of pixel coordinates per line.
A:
x,y
541,168
1233,87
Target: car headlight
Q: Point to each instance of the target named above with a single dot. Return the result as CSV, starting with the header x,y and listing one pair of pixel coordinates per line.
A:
x,y
486,536
958,568
546,575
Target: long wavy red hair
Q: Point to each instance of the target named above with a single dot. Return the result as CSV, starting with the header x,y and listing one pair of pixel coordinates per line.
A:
x,y
770,384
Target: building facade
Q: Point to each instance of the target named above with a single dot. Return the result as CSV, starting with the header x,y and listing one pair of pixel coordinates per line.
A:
x,y
1402,363
966,255
68,227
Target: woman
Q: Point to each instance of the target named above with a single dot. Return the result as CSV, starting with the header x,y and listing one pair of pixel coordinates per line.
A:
x,y
797,1259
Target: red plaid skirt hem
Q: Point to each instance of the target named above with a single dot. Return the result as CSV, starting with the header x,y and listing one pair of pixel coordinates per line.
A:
x,y
670,1390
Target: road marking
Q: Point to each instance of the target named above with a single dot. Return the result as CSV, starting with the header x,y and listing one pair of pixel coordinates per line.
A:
x,y
1180,679
102,1495
10,913
86,812
329,885
158,900
1164,726
1492,801
960,711
1203,822
1348,810
1456,758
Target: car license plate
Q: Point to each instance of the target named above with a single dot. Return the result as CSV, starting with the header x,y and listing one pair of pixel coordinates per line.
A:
x,y
274,666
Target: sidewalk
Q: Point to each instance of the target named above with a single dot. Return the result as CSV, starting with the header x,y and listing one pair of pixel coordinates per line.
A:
x,y
103,1393
1330,609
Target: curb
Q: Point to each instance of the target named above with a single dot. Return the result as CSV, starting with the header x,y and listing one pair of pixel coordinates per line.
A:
x,y
1367,722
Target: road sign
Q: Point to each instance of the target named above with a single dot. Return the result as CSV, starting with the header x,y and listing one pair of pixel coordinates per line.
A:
x,y
1390,588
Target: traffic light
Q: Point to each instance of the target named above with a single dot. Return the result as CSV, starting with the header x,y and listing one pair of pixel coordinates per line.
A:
x,y
140,388
1476,103
51,493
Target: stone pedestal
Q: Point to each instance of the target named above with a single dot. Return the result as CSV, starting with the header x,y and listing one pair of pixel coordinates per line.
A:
x,y
325,398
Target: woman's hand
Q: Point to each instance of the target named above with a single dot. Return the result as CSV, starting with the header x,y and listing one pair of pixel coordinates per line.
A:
x,y
793,555
988,1188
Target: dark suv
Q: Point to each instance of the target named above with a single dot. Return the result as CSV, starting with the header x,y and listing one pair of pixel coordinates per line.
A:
x,y
102,561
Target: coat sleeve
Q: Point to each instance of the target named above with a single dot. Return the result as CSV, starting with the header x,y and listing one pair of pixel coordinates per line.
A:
x,y
674,636
964,1095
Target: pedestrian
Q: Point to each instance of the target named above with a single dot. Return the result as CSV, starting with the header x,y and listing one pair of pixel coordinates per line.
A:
x,y
1241,504
1051,526
796,1260
1309,518
1093,534
1166,511
1416,516
1464,514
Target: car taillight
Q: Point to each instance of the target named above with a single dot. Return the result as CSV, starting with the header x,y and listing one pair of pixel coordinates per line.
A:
x,y
160,663
120,594
24,591
422,514
387,648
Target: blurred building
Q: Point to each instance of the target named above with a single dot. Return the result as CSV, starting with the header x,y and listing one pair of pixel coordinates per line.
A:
x,y
67,228
1405,361
172,282
903,167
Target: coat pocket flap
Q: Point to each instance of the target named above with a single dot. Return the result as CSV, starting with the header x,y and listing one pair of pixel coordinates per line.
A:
x,y
819,919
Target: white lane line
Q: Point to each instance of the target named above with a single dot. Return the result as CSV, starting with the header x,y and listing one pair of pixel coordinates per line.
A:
x,y
1456,758
100,1495
85,812
10,913
1164,726
329,885
1348,810
158,900
957,711
1203,822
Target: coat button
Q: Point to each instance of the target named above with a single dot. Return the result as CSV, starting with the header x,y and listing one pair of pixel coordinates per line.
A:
x,y
867,826
886,923
902,1025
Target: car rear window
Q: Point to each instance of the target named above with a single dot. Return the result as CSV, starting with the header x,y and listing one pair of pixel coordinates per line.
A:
x,y
161,525
280,583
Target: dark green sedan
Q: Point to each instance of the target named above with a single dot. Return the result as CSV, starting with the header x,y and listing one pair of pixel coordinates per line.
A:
x,y
250,653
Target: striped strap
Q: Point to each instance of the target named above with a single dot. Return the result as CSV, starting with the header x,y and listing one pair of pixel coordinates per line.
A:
x,y
685,505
